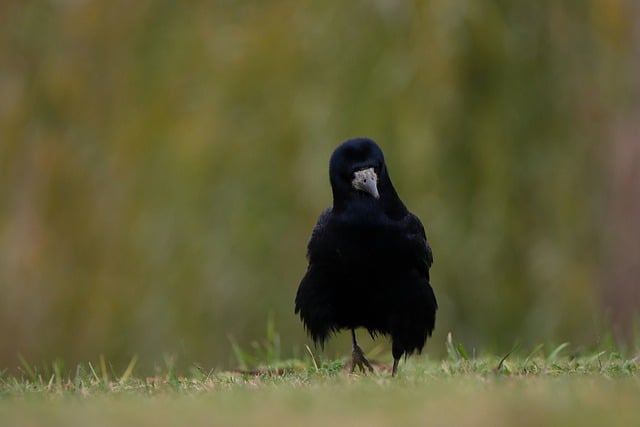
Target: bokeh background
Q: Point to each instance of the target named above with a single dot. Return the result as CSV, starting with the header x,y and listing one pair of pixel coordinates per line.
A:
x,y
162,164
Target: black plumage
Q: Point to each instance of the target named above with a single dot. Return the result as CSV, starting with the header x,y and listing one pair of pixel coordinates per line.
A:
x,y
369,260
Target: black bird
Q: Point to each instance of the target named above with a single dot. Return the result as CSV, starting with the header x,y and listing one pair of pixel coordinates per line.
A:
x,y
369,260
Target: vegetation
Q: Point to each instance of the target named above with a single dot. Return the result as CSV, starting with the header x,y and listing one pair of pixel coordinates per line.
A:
x,y
162,165
543,387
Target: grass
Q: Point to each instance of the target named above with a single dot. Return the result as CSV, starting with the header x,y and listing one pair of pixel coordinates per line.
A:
x,y
532,388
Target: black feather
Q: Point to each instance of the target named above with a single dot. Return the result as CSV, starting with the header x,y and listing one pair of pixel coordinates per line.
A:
x,y
369,260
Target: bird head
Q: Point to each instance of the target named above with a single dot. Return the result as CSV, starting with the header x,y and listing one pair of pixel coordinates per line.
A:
x,y
357,169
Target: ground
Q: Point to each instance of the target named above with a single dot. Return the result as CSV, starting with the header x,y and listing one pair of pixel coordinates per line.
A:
x,y
601,388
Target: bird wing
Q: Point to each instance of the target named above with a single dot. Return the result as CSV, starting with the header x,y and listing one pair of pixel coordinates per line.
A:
x,y
318,231
312,299
413,319
415,233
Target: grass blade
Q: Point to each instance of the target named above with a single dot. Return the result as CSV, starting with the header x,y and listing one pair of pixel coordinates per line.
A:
x,y
533,352
554,354
103,368
28,369
462,351
313,359
506,356
451,349
127,372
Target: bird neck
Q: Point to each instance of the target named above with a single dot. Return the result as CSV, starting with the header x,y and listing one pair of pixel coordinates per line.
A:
x,y
389,203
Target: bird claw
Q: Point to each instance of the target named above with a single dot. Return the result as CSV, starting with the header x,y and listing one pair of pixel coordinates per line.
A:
x,y
358,359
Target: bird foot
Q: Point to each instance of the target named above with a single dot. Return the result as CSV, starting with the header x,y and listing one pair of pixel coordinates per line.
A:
x,y
358,359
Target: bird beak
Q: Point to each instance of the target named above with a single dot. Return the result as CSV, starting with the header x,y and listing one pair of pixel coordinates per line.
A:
x,y
366,180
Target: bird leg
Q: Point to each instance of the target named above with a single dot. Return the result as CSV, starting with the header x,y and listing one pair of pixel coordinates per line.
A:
x,y
357,356
394,371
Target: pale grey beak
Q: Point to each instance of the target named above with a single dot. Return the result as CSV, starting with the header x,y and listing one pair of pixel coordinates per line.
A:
x,y
366,180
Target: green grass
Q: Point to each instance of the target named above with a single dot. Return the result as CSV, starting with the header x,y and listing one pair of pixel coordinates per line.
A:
x,y
553,387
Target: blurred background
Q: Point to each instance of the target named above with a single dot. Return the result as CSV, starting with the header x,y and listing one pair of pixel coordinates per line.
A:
x,y
162,164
